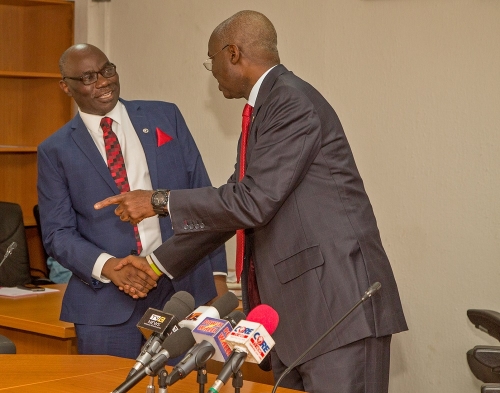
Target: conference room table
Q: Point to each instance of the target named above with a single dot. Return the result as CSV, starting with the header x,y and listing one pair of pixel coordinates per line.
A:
x,y
32,323
92,373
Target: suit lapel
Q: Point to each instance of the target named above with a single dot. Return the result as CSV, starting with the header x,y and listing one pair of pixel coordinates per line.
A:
x,y
84,141
146,133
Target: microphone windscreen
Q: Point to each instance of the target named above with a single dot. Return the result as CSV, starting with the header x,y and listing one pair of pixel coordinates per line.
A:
x,y
235,317
266,316
181,304
226,303
179,342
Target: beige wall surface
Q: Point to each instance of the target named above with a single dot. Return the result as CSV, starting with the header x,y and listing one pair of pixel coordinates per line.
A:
x,y
416,84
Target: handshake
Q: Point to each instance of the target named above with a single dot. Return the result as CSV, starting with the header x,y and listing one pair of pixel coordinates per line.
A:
x,y
132,274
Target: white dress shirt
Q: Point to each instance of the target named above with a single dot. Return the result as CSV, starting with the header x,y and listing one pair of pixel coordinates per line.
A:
x,y
137,173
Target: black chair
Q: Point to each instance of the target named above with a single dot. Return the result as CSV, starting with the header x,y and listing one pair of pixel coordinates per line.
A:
x,y
484,361
15,269
6,346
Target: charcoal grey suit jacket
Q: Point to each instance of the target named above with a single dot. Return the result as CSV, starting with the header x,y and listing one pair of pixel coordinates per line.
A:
x,y
311,230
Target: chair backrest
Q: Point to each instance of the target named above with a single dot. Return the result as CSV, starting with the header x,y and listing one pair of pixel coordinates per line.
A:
x,y
16,268
6,346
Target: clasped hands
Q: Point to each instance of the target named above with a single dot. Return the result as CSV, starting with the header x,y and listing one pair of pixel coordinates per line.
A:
x,y
132,274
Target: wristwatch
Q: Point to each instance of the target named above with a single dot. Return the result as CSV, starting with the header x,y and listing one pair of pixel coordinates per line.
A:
x,y
159,200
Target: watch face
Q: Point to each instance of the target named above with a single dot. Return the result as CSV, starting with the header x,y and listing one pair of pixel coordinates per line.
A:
x,y
159,199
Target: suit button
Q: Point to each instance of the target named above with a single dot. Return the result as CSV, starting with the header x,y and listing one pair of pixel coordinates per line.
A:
x,y
196,226
186,227
191,226
202,225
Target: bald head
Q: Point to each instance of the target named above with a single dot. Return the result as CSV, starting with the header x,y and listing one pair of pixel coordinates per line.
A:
x,y
79,51
253,33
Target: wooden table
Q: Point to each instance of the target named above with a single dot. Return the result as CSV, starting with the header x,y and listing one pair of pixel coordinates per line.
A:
x,y
32,323
91,373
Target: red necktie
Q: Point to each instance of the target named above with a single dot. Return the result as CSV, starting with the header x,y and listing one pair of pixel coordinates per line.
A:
x,y
116,165
240,233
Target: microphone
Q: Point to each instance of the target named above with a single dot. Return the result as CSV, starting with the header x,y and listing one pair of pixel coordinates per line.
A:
x,y
196,358
11,248
215,331
162,324
234,317
220,308
250,338
174,345
369,293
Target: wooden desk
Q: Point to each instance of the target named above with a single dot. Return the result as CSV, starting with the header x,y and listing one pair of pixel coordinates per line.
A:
x,y
32,323
91,373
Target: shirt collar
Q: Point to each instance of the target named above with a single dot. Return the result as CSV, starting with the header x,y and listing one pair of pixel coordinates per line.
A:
x,y
255,89
93,122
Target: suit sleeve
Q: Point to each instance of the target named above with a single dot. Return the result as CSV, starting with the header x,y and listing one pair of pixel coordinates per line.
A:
x,y
286,143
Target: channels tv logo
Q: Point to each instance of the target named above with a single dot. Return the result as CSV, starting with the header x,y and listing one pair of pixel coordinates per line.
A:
x,y
156,318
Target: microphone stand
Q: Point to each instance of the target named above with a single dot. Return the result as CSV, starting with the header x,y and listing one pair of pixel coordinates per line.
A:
x,y
201,378
162,381
369,292
237,381
151,387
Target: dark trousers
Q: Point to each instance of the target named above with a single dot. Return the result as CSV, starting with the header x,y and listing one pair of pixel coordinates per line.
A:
x,y
359,367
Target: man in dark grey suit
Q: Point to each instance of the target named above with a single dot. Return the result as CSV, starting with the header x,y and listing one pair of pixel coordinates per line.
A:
x,y
310,228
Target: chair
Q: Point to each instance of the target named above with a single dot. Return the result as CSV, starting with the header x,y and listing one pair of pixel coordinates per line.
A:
x,y
6,346
15,270
484,361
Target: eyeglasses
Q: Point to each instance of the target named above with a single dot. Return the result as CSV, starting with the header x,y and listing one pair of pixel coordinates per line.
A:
x,y
108,71
208,62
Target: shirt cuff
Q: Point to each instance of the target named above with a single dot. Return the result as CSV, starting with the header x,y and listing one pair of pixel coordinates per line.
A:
x,y
98,265
159,266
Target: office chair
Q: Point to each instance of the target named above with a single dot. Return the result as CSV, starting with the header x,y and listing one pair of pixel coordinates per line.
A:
x,y
6,346
15,269
484,361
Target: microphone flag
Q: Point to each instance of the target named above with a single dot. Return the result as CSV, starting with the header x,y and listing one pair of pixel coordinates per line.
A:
x,y
215,332
254,337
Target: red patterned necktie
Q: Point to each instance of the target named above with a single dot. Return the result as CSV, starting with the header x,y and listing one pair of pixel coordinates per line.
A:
x,y
240,233
116,165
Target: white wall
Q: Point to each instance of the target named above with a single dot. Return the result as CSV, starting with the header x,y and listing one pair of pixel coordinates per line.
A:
x,y
417,87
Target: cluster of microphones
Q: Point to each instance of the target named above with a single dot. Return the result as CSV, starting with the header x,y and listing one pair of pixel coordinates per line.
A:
x,y
216,332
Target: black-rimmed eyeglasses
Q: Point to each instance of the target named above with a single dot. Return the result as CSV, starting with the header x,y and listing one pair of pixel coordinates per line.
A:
x,y
208,62
108,71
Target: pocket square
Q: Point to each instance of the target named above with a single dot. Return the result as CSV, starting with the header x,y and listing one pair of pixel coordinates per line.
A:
x,y
162,137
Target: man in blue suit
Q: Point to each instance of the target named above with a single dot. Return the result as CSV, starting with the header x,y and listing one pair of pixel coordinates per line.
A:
x,y
75,170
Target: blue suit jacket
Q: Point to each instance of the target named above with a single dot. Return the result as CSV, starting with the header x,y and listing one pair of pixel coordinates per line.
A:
x,y
72,176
